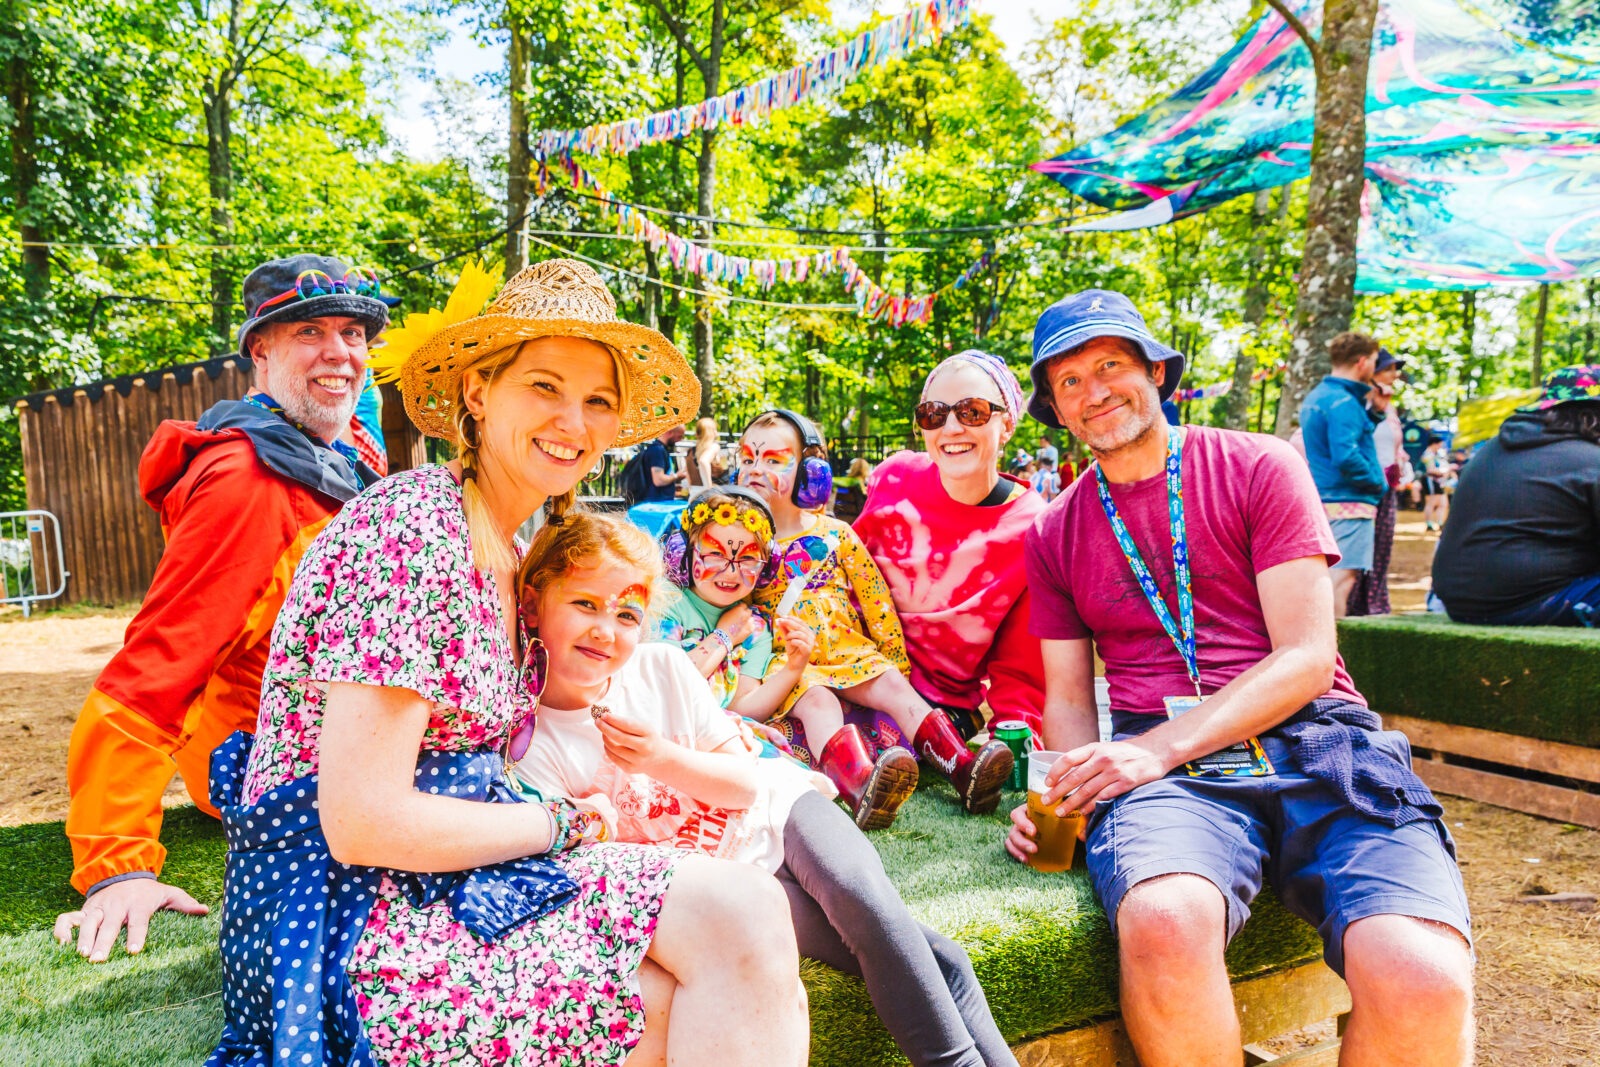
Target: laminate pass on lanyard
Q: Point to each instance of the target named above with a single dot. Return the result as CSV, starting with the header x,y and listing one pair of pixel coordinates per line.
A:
x,y
1246,757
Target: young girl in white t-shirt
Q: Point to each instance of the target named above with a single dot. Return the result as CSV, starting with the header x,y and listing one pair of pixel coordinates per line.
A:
x,y
636,725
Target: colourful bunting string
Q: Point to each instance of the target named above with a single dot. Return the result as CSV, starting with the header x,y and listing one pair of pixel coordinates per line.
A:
x,y
1224,387
872,301
817,77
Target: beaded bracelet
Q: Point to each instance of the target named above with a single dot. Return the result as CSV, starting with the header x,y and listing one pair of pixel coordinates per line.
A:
x,y
574,826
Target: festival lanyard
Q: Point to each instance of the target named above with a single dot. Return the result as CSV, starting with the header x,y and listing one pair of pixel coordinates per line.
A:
x,y
1181,631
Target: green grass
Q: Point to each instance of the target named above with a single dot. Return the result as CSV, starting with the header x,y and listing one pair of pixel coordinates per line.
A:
x,y
1533,681
1039,943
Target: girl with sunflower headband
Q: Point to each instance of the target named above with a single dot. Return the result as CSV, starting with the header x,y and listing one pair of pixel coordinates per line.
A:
x,y
718,556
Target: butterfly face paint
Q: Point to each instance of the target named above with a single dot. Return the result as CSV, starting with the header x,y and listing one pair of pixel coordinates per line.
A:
x,y
768,460
727,561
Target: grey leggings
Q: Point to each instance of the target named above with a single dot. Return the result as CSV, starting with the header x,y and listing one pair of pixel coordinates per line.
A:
x,y
848,915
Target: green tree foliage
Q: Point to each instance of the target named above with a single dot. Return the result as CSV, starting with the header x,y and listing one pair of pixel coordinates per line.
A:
x,y
121,247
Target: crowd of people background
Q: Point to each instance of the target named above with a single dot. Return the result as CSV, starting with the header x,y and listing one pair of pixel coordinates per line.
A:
x,y
588,799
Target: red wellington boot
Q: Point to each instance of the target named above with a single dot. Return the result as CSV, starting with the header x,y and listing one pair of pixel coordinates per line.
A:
x,y
977,777
874,790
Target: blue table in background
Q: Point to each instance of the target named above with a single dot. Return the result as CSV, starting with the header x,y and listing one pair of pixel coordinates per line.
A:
x,y
654,517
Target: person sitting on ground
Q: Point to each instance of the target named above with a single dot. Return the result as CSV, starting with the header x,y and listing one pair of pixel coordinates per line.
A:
x,y
433,915
1194,561
241,493
634,725
661,466
718,554
1338,439
1523,544
860,650
946,527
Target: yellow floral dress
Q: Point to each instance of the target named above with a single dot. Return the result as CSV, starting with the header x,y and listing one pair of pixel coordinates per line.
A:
x,y
858,631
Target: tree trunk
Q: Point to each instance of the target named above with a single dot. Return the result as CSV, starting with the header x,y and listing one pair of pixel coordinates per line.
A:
x,y
705,202
219,177
1589,290
650,292
1538,333
705,205
518,158
25,171
1333,200
1236,410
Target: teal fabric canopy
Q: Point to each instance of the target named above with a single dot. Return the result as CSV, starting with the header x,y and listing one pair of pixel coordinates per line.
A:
x,y
1483,140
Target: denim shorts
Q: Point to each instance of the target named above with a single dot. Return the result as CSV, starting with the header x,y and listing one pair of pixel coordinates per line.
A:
x,y
1328,863
1355,537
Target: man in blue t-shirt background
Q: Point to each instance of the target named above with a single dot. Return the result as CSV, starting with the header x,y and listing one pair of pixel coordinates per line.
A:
x,y
661,466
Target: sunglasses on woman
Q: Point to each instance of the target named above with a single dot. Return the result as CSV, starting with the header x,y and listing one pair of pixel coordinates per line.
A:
x,y
973,411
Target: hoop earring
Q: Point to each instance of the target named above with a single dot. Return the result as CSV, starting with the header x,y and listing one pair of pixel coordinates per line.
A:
x,y
465,418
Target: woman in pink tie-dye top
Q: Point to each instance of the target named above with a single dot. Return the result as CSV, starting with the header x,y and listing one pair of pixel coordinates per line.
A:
x,y
946,528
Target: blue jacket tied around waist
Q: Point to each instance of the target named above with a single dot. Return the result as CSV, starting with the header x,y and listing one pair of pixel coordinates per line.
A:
x,y
1339,446
291,914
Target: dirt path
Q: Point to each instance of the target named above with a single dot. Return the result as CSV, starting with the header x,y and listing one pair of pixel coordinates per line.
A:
x,y
1538,965
1411,563
47,665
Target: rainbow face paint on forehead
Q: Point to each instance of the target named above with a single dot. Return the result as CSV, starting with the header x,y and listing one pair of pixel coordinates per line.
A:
x,y
635,597
767,461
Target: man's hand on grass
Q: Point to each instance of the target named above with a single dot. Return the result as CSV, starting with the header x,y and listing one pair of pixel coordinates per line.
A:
x,y
129,903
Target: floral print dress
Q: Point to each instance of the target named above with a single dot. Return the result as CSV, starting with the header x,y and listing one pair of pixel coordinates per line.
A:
x,y
858,632
388,595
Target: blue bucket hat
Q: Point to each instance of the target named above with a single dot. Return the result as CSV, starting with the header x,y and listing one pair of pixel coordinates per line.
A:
x,y
1082,317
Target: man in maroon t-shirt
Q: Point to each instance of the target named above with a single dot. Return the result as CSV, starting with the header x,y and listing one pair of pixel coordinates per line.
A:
x,y
1243,752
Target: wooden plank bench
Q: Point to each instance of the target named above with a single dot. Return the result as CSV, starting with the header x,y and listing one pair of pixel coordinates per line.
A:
x,y
1506,715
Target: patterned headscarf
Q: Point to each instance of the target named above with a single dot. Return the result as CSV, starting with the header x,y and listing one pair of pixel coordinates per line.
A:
x,y
994,367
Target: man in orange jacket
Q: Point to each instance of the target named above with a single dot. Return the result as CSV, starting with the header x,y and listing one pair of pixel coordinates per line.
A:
x,y
241,494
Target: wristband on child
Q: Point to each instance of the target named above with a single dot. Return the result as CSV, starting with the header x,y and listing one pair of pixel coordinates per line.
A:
x,y
724,638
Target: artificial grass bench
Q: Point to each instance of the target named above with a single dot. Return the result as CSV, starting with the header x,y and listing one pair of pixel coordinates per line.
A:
x,y
1504,714
1039,942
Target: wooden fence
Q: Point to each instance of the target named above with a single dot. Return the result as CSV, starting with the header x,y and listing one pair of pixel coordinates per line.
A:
x,y
80,456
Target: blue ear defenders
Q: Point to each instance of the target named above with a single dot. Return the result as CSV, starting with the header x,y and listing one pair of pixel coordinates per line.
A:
x,y
675,550
813,480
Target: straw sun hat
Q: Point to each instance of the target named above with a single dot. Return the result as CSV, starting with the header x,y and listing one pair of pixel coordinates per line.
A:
x,y
427,355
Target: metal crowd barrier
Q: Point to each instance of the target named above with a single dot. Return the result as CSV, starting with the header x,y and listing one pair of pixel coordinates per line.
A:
x,y
27,540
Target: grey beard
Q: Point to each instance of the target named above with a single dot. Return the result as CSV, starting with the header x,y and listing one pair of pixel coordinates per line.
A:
x,y
1114,446
327,421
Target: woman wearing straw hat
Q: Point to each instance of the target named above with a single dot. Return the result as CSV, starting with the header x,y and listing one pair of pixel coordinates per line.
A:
x,y
389,899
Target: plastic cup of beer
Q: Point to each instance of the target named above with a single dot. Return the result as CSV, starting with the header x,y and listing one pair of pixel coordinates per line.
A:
x,y
1057,837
